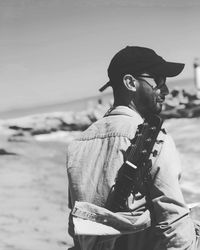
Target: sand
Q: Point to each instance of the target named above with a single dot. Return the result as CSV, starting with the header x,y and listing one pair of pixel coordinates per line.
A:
x,y
33,193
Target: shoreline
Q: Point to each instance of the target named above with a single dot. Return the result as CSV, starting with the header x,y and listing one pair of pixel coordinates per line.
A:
x,y
83,103
74,105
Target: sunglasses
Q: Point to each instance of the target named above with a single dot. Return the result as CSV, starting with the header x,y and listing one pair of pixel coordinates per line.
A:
x,y
155,82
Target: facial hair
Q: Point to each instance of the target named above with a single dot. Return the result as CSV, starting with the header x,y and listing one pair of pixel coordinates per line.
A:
x,y
147,100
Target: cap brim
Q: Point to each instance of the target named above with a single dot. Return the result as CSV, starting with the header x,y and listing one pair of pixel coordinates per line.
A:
x,y
168,69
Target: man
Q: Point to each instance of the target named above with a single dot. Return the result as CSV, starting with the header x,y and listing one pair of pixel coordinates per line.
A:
x,y
138,78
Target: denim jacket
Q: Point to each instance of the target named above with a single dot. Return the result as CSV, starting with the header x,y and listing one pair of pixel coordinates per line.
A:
x,y
93,160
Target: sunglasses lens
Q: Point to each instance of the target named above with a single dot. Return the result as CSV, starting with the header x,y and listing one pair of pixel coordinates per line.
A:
x,y
150,81
160,81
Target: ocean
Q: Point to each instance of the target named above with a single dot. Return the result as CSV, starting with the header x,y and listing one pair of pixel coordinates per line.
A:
x,y
85,102
75,105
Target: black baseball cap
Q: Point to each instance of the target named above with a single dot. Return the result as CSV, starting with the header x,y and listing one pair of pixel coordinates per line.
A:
x,y
136,60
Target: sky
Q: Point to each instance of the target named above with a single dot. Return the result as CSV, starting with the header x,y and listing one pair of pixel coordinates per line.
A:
x,y
55,51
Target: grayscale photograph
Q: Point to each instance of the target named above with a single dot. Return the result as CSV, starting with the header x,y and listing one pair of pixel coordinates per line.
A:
x,y
99,125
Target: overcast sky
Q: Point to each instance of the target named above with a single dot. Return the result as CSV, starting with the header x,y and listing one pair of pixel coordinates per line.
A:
x,y
58,50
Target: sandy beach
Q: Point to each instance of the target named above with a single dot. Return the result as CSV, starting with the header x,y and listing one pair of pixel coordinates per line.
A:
x,y
33,185
33,211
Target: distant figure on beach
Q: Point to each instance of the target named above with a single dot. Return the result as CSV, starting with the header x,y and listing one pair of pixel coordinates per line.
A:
x,y
155,217
178,99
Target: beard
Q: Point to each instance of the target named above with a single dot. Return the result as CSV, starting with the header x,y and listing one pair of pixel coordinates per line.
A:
x,y
148,101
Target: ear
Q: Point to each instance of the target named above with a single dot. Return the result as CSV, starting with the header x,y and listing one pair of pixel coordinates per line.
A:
x,y
129,82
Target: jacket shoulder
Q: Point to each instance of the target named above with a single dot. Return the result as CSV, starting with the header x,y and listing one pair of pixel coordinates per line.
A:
x,y
109,126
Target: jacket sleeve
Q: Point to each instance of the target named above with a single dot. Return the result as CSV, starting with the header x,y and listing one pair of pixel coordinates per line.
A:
x,y
173,223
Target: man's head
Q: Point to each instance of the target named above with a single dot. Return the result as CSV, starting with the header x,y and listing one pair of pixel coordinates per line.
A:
x,y
137,76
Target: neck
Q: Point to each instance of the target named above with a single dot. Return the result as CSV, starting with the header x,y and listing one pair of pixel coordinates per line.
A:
x,y
130,105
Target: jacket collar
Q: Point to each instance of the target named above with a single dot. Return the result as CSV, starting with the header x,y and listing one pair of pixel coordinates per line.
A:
x,y
123,110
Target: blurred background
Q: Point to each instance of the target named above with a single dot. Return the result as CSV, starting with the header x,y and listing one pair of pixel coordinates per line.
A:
x,y
57,51
54,56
